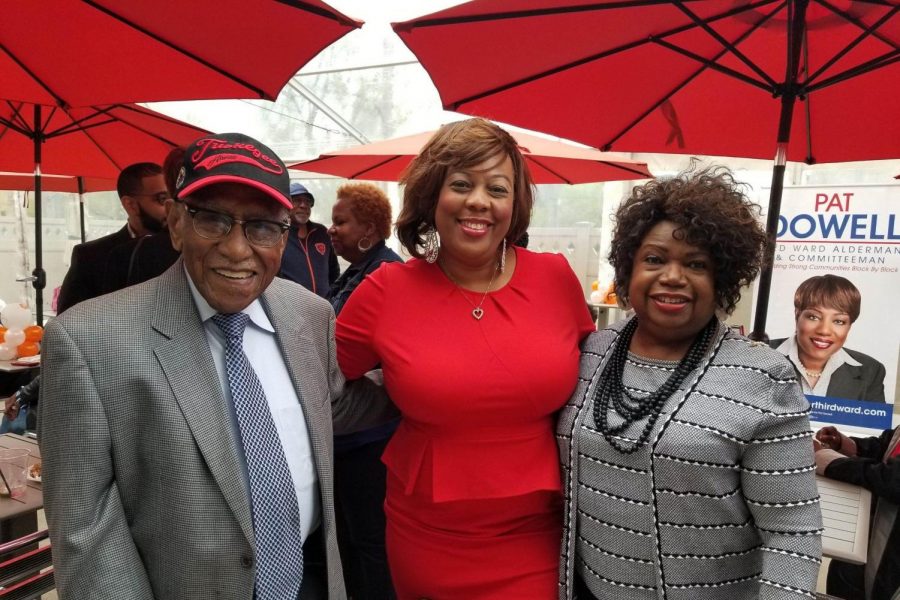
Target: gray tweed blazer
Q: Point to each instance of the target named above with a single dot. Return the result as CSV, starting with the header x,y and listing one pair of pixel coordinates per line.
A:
x,y
744,521
142,479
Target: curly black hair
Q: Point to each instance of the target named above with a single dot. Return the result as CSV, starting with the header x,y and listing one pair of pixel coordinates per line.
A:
x,y
711,212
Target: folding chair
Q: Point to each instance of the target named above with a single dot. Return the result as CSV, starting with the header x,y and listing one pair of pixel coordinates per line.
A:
x,y
26,569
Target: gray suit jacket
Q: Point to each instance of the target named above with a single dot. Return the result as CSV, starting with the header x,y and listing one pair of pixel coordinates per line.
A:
x,y
142,479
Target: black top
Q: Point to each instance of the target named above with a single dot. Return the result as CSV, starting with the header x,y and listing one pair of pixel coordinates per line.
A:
x,y
87,273
342,288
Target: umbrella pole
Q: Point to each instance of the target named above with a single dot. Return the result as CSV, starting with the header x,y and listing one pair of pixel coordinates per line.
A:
x,y
39,276
796,34
765,276
81,208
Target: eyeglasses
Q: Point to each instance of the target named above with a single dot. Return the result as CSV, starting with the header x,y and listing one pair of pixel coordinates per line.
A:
x,y
158,197
213,225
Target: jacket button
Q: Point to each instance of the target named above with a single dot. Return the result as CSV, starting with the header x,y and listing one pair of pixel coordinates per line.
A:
x,y
246,561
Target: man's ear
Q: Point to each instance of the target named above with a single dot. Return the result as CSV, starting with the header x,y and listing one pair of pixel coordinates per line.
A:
x,y
129,203
174,214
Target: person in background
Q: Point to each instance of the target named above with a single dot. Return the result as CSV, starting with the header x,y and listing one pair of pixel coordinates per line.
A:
x,y
478,342
825,308
360,224
186,422
148,256
142,191
872,463
308,257
685,447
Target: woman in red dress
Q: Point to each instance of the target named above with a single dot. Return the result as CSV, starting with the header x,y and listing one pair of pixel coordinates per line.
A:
x,y
478,341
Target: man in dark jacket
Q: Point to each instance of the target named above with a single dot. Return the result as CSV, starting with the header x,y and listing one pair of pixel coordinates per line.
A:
x,y
308,257
874,464
143,194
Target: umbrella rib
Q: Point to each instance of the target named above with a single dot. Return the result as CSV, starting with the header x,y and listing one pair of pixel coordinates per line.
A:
x,y
519,14
717,67
879,62
537,161
59,101
101,149
867,31
17,123
145,131
373,167
322,12
75,127
665,98
643,174
76,124
612,51
852,19
159,116
183,51
9,125
725,43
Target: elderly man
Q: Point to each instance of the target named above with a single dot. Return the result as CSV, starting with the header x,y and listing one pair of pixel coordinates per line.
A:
x,y
142,191
186,422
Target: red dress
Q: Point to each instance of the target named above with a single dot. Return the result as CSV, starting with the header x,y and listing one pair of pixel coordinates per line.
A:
x,y
473,503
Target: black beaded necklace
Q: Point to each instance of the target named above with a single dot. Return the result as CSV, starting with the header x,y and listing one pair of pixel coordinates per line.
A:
x,y
611,394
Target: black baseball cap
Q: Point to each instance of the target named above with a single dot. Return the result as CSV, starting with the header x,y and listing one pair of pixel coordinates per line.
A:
x,y
233,158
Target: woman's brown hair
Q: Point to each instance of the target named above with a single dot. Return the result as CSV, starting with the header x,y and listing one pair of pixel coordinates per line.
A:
x,y
830,291
459,145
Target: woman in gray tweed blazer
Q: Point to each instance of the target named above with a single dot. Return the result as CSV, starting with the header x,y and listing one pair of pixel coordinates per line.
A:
x,y
686,450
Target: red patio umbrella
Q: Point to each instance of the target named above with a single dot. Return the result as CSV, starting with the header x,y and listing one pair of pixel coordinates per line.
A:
x,y
549,161
84,52
96,141
718,77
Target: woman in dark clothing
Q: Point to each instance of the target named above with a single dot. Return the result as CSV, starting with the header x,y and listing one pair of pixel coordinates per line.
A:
x,y
873,463
361,221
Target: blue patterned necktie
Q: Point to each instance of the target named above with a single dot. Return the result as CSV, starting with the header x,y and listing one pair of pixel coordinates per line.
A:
x,y
276,518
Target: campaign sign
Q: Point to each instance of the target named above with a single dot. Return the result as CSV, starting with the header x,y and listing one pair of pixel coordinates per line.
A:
x,y
855,413
833,305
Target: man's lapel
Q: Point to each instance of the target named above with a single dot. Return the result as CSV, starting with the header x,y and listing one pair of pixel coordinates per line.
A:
x,y
189,367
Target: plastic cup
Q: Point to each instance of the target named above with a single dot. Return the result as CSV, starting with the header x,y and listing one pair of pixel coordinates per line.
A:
x,y
13,466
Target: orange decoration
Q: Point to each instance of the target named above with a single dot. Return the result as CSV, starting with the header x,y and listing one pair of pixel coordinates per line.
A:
x,y
33,333
3,331
611,297
28,349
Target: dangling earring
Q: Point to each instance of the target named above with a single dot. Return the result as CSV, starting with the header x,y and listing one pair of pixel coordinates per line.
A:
x,y
362,248
503,257
432,245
